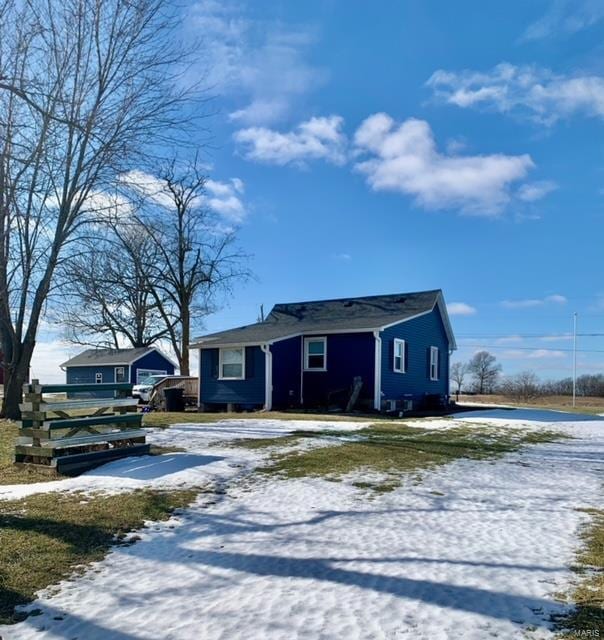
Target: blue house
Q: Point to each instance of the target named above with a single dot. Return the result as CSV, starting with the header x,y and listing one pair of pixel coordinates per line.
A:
x,y
116,365
308,354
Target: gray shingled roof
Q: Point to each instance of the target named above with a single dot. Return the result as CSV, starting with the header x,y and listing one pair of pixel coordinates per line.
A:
x,y
107,357
344,314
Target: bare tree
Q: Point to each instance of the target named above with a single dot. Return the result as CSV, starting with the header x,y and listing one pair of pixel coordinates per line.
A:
x,y
523,386
84,86
198,257
484,369
107,295
459,371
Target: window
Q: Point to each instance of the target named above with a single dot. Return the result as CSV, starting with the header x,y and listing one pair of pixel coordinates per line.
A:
x,y
142,374
232,364
98,378
399,364
315,354
120,374
433,363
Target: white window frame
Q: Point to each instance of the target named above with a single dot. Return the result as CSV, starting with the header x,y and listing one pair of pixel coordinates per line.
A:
x,y
434,357
98,378
403,356
116,369
307,341
149,372
220,363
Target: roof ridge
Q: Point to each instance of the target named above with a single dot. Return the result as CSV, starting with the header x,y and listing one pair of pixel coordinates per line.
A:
x,y
382,295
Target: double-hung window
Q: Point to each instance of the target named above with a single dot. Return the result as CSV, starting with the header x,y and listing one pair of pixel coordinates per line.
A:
x,y
399,365
433,363
315,354
120,374
232,364
98,378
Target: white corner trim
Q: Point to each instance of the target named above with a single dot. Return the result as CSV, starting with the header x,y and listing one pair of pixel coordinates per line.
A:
x,y
268,379
377,379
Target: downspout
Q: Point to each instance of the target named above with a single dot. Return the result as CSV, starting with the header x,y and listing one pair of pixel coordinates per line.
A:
x,y
377,381
199,380
268,378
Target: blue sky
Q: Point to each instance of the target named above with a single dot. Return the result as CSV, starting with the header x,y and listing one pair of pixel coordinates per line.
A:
x,y
382,147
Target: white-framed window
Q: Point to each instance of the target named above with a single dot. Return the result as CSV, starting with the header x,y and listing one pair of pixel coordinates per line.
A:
x,y
143,374
231,364
433,363
315,354
120,374
398,363
98,378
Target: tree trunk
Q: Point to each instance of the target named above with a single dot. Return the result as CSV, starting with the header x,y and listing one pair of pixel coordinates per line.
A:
x,y
184,363
17,374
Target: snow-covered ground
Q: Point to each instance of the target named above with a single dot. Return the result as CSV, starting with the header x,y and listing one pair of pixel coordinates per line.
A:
x,y
477,549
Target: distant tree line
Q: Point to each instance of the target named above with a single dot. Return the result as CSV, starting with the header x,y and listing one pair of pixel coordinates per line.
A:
x,y
482,375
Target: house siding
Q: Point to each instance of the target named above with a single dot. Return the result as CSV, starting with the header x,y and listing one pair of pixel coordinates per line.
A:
x,y
420,334
348,355
287,372
152,360
87,375
248,392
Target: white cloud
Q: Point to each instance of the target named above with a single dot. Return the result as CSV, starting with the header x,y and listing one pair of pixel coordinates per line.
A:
x,y
460,309
565,17
343,257
533,191
260,64
47,357
317,138
556,338
534,302
509,340
404,158
527,90
222,197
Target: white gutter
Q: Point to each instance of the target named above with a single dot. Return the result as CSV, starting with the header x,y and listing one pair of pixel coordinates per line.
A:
x,y
377,380
268,371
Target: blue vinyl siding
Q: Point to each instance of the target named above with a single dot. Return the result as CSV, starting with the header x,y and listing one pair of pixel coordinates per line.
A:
x,y
247,392
420,334
152,360
287,371
348,355
87,375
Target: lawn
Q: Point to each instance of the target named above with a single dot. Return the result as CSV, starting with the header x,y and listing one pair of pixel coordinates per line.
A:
x,y
390,450
47,537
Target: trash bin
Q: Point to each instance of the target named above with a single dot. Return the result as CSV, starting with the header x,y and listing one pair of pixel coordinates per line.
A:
x,y
175,400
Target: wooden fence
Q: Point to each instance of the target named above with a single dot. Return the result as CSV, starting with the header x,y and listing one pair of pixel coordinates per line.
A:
x,y
72,435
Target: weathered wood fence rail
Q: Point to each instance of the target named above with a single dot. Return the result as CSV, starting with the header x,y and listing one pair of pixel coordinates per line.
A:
x,y
72,435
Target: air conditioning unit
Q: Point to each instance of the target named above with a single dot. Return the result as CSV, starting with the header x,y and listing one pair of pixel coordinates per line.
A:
x,y
390,405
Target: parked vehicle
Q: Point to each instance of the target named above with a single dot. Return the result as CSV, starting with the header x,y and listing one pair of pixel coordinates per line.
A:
x,y
144,389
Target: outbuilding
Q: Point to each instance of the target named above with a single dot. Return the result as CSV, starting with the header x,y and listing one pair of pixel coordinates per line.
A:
x,y
100,366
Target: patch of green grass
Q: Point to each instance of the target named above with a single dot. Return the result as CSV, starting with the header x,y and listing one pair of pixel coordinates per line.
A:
x,y
587,619
47,537
395,449
9,472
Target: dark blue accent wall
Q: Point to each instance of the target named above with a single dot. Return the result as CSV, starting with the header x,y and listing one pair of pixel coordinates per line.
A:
x,y
287,369
420,334
152,360
242,392
348,355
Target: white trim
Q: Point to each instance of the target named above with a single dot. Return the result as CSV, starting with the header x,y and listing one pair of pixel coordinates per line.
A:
x,y
123,368
149,372
403,356
220,363
307,340
434,362
98,378
301,370
377,372
199,383
417,315
268,379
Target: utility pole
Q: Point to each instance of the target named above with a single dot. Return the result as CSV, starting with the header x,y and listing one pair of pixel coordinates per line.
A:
x,y
575,359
